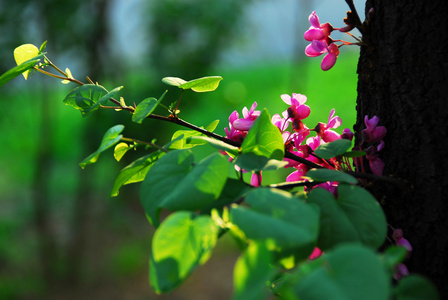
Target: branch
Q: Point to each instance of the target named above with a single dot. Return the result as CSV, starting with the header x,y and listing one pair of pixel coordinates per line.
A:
x,y
356,19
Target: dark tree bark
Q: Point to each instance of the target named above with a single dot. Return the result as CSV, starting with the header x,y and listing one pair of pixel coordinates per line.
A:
x,y
403,80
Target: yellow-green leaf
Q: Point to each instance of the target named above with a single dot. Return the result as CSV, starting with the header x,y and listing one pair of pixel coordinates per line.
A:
x,y
23,53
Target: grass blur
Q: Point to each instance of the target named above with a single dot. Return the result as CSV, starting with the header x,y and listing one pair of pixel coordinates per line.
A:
x,y
125,258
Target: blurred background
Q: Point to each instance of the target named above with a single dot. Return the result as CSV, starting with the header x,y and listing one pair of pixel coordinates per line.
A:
x,y
61,235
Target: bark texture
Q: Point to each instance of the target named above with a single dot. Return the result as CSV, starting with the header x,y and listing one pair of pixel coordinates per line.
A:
x,y
403,80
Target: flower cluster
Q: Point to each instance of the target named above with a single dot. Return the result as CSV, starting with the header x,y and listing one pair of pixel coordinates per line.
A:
x,y
401,270
321,42
297,141
372,136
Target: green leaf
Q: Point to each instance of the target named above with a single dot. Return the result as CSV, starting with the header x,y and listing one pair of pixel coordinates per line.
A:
x,y
355,216
349,271
262,148
181,143
215,143
22,68
252,271
111,138
333,149
415,287
286,222
120,150
212,126
253,162
180,244
325,174
145,108
174,183
233,191
43,46
204,84
135,172
393,256
25,53
89,97
174,81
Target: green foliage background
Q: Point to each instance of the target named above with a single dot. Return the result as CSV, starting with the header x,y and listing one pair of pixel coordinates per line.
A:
x,y
43,141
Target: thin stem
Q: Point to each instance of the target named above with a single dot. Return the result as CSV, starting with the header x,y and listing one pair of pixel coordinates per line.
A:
x,y
57,76
144,143
54,66
178,101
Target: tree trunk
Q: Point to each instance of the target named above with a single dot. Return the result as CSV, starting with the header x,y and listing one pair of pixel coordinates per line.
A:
x,y
403,80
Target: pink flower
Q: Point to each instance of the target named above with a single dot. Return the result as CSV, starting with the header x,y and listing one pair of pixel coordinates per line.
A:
x,y
297,111
347,134
397,235
245,123
317,48
324,130
256,179
319,36
373,133
400,271
315,254
238,127
317,31
376,164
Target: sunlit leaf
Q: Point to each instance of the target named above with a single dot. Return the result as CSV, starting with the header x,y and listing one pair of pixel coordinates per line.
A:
x,y
174,81
333,149
175,183
145,108
180,244
89,97
16,71
135,172
215,143
325,174
263,140
252,270
212,126
181,143
204,84
69,75
24,53
111,138
120,150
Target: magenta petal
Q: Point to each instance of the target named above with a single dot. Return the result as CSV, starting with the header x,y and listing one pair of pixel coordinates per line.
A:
x,y
315,254
256,179
311,52
233,116
314,20
330,136
328,62
378,133
243,124
314,34
319,46
334,122
371,123
377,166
303,111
